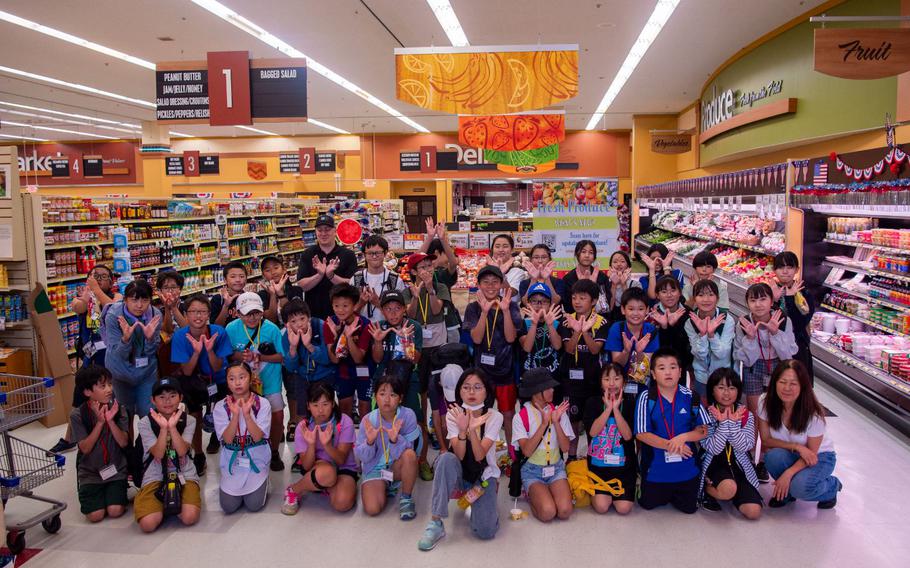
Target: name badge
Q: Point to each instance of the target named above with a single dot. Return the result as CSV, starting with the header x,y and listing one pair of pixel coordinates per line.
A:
x,y
363,371
181,478
99,345
487,359
243,463
427,333
142,362
631,388
549,471
89,349
108,472
613,459
577,374
213,389
672,458
387,475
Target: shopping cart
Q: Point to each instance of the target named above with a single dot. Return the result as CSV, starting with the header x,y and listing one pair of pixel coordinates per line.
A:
x,y
25,466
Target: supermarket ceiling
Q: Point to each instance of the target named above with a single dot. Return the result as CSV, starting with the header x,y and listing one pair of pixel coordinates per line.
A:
x,y
355,39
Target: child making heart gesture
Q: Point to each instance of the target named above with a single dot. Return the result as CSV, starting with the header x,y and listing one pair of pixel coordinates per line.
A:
x,y
710,332
385,450
631,342
323,445
670,316
795,301
242,423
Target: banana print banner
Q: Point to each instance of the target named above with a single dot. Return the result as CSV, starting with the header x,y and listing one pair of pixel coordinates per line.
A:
x,y
512,133
486,80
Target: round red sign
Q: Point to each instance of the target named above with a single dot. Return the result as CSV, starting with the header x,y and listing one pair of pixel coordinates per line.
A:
x,y
349,231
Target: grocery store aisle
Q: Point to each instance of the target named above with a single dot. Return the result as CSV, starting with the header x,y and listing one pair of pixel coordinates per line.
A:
x,y
866,529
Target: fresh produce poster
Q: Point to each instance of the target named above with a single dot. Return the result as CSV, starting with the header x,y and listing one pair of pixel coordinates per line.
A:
x,y
567,212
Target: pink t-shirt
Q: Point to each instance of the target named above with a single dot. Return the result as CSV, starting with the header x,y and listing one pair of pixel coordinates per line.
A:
x,y
344,434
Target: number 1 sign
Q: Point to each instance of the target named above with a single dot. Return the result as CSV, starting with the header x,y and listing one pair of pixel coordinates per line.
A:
x,y
229,88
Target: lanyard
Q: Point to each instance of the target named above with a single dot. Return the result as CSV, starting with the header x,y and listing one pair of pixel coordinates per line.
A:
x,y
549,435
385,278
487,329
634,354
671,426
386,450
761,350
424,309
729,450
253,343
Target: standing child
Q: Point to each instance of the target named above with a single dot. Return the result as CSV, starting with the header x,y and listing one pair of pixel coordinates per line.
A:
x,y
611,451
166,435
584,335
348,341
542,342
586,269
704,264
668,422
727,473
258,343
305,354
494,325
620,277
796,302
540,271
473,430
385,451
99,430
542,434
375,279
659,261
277,289
710,331
670,316
242,422
632,341
224,303
323,445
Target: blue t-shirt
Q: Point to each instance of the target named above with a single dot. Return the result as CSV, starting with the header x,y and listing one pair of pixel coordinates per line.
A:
x,y
241,336
665,419
638,367
182,351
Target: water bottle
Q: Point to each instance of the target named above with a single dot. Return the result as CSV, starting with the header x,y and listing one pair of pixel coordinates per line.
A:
x,y
471,495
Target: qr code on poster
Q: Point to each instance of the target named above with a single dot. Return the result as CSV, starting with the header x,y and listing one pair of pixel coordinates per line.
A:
x,y
549,239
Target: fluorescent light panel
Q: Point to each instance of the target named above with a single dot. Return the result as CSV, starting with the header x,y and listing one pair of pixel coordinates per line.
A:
x,y
77,122
72,115
649,33
50,129
252,29
446,17
75,86
23,137
13,19
321,124
258,131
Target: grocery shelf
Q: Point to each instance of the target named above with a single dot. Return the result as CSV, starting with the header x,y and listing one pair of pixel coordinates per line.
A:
x,y
22,324
863,320
65,315
294,238
858,210
213,262
286,226
869,246
152,267
70,352
191,291
309,229
61,279
15,289
58,246
875,378
871,299
251,235
869,271
707,238
176,244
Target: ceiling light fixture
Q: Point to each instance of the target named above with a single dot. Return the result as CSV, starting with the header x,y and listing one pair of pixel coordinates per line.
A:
x,y
23,138
69,114
252,29
13,19
48,128
446,17
655,23
258,131
76,86
77,122
321,124
180,134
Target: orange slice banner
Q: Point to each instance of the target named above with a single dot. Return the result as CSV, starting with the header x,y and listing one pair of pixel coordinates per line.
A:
x,y
512,132
495,81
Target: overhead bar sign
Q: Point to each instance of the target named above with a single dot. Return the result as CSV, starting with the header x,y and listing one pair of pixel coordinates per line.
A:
x,y
871,53
60,167
278,90
92,166
289,163
173,165
209,165
325,162
182,92
409,161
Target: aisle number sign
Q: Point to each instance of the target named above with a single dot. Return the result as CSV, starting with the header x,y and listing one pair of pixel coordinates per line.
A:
x,y
228,88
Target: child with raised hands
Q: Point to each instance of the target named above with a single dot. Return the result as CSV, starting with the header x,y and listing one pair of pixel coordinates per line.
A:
x,y
620,279
323,444
306,356
670,315
542,342
543,433
704,264
608,420
584,334
727,473
501,256
348,341
540,268
632,341
384,448
242,422
586,269
659,261
473,429
710,333
796,302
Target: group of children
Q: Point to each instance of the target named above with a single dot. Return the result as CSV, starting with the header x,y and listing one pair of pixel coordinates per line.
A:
x,y
597,353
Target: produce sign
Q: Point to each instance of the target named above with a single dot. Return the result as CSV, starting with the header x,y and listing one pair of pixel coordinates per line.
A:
x,y
580,192
512,133
486,80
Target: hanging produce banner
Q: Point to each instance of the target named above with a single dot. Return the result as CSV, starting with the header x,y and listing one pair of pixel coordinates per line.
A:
x,y
527,170
524,157
567,212
894,157
486,80
514,132
870,53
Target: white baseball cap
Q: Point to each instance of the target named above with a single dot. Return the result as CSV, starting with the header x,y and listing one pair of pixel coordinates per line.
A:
x,y
448,378
248,302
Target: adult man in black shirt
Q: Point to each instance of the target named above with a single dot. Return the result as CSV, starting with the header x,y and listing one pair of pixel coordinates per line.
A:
x,y
322,266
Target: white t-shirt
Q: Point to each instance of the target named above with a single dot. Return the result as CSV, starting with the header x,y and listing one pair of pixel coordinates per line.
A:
x,y
815,429
377,283
153,471
539,457
490,432
242,480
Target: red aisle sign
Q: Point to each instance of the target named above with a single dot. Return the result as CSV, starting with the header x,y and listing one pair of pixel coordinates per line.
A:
x,y
307,160
191,163
229,88
427,159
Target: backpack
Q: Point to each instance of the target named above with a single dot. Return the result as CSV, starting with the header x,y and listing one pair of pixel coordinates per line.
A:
x,y
390,283
135,465
520,458
646,454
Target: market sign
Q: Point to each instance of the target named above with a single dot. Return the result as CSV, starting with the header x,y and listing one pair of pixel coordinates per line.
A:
x,y
677,143
62,163
863,53
731,109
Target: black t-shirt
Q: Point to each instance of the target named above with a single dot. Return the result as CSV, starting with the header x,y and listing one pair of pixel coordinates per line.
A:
x,y
317,297
602,304
582,361
292,292
594,407
217,303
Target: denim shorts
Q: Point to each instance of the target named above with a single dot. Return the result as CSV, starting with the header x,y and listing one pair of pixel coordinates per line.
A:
x,y
375,473
531,474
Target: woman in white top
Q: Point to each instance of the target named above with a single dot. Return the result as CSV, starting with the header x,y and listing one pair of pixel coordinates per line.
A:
x,y
799,455
473,429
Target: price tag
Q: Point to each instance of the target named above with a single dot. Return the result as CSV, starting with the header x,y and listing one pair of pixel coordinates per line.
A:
x,y
487,359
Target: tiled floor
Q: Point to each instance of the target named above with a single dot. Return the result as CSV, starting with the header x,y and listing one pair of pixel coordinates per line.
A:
x,y
865,530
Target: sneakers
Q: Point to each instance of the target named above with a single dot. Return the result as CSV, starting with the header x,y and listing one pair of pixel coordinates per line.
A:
x,y
291,503
200,463
407,510
434,443
762,472
710,503
426,471
434,532
292,428
214,445
62,446
778,503
276,464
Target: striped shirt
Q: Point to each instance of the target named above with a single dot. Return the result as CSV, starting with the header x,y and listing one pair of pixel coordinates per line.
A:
x,y
741,439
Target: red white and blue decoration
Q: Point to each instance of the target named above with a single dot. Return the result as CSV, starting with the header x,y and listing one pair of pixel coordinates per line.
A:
x,y
773,176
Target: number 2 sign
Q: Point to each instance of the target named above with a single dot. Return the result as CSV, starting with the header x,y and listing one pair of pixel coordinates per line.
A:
x,y
307,160
229,88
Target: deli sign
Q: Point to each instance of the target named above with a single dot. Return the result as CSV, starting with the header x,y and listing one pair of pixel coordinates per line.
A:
x,y
862,53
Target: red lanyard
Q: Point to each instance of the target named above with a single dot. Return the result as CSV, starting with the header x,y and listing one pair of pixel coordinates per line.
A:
x,y
761,350
670,430
104,451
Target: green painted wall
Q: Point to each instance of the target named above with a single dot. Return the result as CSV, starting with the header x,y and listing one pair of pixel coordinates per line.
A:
x,y
826,105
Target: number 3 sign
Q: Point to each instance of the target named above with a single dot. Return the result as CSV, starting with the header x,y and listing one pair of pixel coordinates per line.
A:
x,y
191,163
229,88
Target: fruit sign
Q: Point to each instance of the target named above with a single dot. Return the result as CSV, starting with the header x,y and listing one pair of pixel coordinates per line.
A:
x,y
567,212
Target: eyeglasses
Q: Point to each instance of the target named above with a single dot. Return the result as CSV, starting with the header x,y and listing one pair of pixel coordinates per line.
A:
x,y
171,288
375,253
101,277
726,388
197,312
473,388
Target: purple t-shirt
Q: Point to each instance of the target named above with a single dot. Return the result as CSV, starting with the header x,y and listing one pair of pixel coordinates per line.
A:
x,y
344,434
